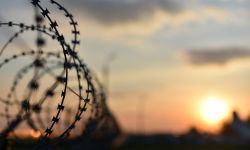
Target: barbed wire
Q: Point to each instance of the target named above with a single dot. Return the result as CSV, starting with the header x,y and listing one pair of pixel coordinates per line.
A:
x,y
49,79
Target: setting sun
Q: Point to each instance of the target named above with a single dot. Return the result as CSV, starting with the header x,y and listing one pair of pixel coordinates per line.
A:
x,y
214,110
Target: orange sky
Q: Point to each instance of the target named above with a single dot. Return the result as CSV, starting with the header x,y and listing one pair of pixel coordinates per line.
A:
x,y
167,59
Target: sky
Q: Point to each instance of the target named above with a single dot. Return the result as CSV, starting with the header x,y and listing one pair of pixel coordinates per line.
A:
x,y
169,55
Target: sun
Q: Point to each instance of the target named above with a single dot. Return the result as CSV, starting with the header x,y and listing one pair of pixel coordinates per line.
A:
x,y
214,110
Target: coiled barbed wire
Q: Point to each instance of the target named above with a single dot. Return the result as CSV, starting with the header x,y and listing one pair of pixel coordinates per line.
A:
x,y
69,77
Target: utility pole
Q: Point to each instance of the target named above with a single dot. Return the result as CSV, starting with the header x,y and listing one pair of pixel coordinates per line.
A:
x,y
141,114
106,72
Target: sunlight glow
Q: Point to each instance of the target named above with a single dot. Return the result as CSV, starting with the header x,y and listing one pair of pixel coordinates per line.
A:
x,y
35,134
214,110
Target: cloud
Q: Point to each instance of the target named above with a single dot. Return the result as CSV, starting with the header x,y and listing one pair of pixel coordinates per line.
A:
x,y
113,19
110,12
154,23
216,56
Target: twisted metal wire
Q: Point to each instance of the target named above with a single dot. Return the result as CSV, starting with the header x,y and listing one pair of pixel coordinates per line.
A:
x,y
91,114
